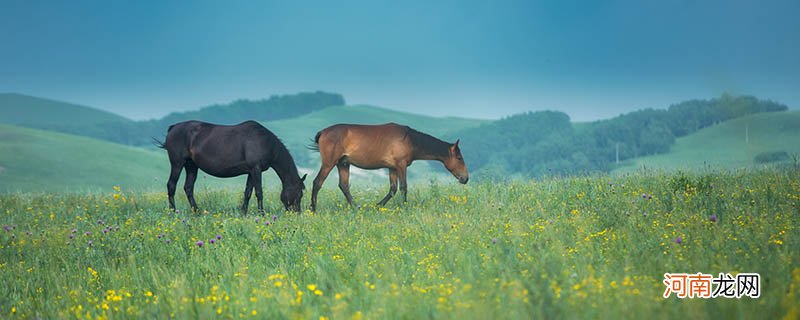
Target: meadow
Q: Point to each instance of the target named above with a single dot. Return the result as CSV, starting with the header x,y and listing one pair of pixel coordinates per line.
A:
x,y
574,247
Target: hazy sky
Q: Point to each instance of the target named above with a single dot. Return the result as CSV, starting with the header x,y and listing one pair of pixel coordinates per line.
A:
x,y
488,59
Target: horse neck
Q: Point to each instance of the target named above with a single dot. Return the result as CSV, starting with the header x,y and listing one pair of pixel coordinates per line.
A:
x,y
427,147
285,168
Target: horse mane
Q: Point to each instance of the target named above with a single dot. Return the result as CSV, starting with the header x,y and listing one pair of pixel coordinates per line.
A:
x,y
425,144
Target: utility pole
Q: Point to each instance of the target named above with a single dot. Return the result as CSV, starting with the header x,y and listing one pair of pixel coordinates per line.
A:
x,y
617,153
747,133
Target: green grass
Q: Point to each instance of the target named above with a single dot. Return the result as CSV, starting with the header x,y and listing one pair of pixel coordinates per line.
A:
x,y
18,109
556,248
725,145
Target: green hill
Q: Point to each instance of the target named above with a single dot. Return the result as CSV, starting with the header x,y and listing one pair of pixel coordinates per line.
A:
x,y
731,144
19,109
32,159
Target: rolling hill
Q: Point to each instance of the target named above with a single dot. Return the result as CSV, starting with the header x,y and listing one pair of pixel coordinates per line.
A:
x,y
41,160
726,145
23,110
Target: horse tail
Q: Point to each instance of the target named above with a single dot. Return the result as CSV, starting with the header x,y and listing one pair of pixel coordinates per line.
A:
x,y
315,145
159,143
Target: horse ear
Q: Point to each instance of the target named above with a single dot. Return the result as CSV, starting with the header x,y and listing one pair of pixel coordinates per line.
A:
x,y
304,177
457,141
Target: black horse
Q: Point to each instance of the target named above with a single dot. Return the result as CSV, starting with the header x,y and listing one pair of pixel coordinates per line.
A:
x,y
229,151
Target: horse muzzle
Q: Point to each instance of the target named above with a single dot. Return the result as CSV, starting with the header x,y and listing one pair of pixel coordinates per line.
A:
x,y
463,180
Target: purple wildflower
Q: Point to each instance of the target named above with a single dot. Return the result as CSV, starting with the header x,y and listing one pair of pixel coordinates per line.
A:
x,y
679,240
90,243
167,241
74,230
257,219
7,228
177,211
212,241
159,236
219,237
494,240
712,218
87,233
71,236
199,243
266,223
274,217
105,230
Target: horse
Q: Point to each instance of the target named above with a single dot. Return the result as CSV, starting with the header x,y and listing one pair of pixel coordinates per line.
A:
x,y
390,145
228,151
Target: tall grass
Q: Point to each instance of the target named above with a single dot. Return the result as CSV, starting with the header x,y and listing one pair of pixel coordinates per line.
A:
x,y
582,247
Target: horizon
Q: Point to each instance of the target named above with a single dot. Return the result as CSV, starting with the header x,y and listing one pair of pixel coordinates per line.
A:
x,y
591,61
790,108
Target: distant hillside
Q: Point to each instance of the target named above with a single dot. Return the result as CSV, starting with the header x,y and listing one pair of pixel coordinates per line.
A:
x,y
547,143
32,112
274,108
732,144
23,110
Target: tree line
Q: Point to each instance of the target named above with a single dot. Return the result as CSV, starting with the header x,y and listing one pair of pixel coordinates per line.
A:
x,y
534,144
139,133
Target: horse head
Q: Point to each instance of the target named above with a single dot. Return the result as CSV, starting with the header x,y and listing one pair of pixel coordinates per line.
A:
x,y
292,194
455,164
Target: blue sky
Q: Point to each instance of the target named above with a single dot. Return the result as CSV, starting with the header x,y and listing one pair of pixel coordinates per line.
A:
x,y
487,59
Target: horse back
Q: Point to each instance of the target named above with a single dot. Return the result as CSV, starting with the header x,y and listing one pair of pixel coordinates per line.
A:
x,y
366,146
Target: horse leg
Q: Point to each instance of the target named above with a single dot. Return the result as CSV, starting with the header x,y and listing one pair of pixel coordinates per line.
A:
x,y
188,185
174,174
323,173
392,187
344,180
259,192
401,174
248,190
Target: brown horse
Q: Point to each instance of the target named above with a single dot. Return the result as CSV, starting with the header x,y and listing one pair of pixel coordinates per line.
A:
x,y
389,146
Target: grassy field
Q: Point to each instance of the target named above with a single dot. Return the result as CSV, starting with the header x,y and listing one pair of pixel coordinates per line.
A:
x,y
583,247
727,145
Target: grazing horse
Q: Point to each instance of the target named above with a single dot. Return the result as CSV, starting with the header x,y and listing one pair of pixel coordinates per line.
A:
x,y
389,146
229,151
